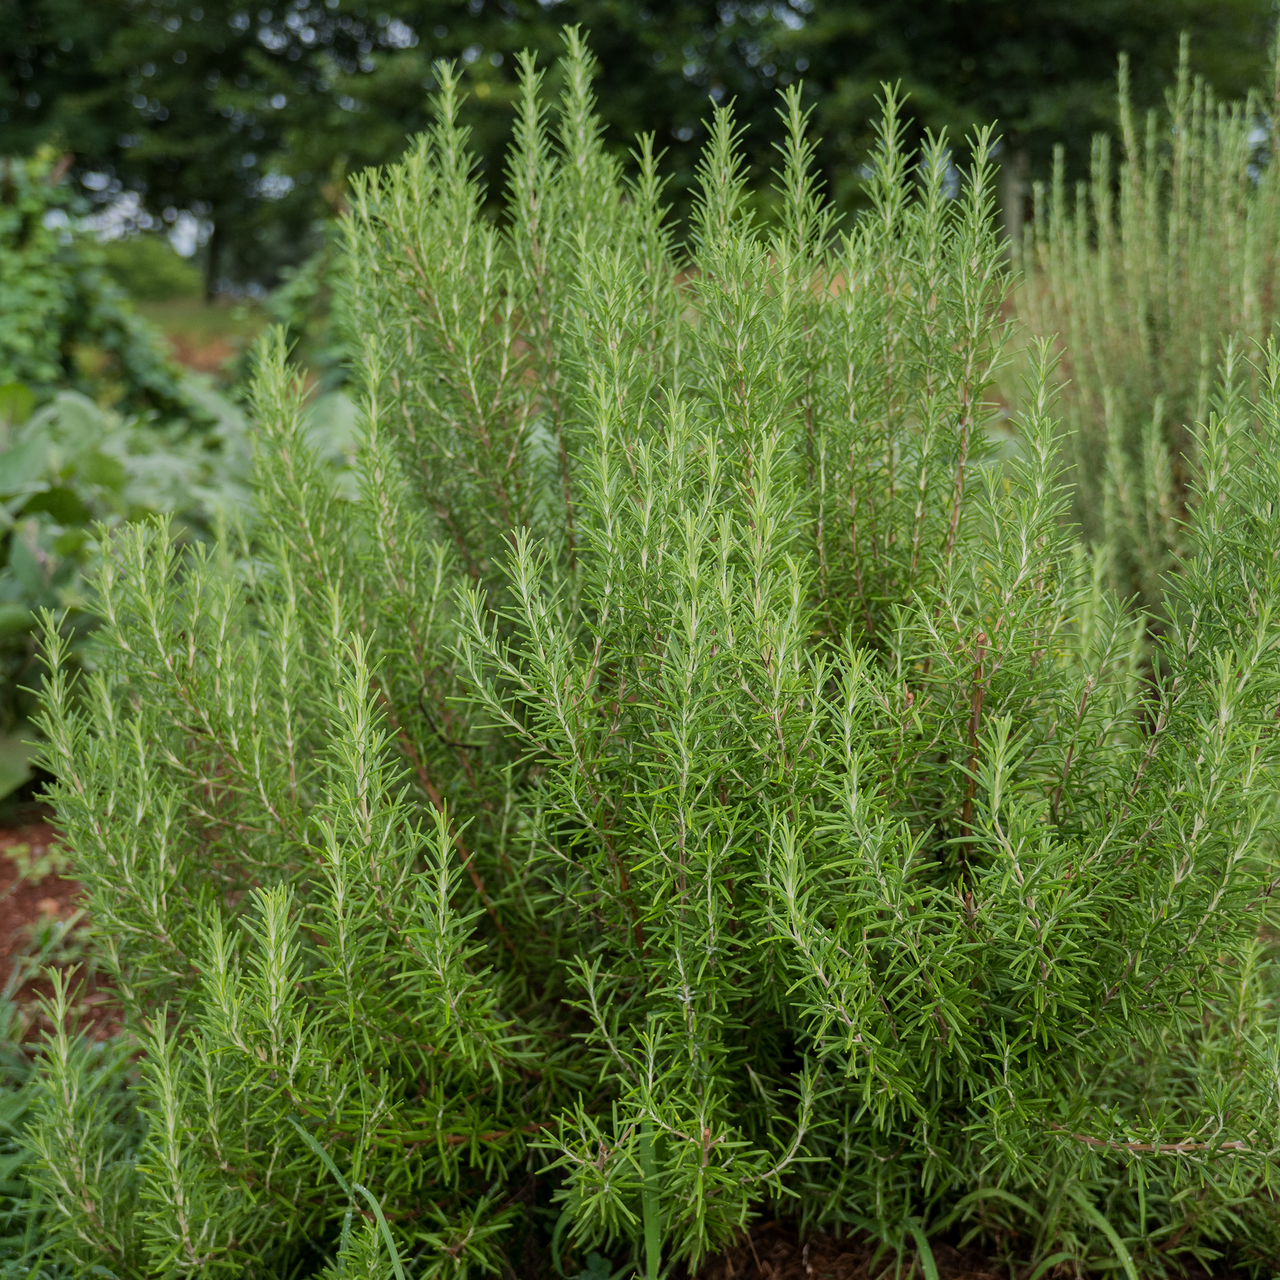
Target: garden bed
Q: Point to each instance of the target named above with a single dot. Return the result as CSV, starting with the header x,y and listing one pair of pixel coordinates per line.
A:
x,y
33,906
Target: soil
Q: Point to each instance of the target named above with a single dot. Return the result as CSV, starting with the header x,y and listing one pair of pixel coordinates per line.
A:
x,y
209,356
22,904
27,904
774,1252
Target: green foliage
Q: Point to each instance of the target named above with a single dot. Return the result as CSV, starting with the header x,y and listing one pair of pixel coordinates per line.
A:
x,y
66,323
219,107
253,121
24,1238
308,306
1044,70
148,268
694,778
1158,275
68,471
166,444
23,1244
72,471
82,1130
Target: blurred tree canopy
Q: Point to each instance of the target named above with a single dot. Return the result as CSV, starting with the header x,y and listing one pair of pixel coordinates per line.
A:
x,y
1044,69
249,115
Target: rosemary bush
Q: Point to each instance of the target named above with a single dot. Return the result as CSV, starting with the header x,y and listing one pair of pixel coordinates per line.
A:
x,y
1148,273
692,778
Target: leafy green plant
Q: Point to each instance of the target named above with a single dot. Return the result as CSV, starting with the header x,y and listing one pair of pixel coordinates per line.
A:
x,y
96,423
100,1065
21,1239
71,470
71,466
34,864
693,778
1146,273
94,1072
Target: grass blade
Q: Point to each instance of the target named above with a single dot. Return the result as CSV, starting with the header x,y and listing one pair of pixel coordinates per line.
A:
x,y
1091,1212
1049,1263
350,1190
923,1251
386,1230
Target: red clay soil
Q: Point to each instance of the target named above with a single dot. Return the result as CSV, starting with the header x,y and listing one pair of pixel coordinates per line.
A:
x,y
203,356
22,907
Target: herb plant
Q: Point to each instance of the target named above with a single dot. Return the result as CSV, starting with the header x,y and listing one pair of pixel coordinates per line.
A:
x,y
694,778
1157,275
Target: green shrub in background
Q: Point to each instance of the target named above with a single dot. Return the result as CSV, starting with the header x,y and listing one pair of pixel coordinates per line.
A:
x,y
691,779
1146,273
66,324
96,422
308,306
149,269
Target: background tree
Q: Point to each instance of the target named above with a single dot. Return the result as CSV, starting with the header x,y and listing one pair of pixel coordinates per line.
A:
x,y
248,117
1044,70
50,61
250,114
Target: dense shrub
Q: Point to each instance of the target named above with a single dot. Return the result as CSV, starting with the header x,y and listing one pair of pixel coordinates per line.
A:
x,y
693,778
67,324
1148,273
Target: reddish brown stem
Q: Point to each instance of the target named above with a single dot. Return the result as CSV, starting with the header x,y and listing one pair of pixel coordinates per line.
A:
x,y
433,794
1162,1148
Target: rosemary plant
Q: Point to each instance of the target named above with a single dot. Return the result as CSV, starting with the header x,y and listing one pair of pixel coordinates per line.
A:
x,y
693,778
1149,273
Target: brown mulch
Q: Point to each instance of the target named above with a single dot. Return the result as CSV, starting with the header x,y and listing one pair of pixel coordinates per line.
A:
x,y
774,1252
